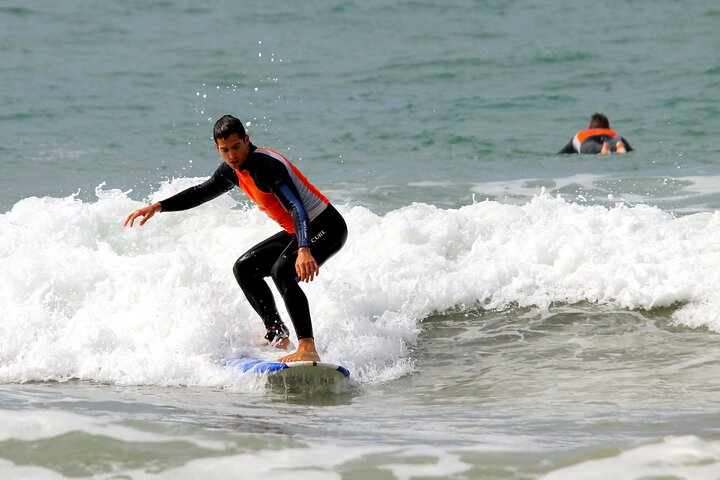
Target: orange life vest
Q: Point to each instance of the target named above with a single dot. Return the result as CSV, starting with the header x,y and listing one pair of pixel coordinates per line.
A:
x,y
582,135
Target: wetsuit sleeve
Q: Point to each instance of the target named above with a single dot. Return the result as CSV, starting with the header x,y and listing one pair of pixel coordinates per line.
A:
x,y
628,148
275,176
220,182
569,148
290,199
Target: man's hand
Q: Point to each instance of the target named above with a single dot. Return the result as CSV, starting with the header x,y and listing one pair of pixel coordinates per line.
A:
x,y
305,265
145,212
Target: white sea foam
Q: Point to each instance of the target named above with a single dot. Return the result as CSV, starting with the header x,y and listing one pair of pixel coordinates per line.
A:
x,y
85,298
684,194
688,457
10,471
32,425
321,462
312,460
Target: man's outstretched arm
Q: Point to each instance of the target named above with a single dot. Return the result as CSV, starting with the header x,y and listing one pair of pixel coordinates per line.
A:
x,y
145,212
219,183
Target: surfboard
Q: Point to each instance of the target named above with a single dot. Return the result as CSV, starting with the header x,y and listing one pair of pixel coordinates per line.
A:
x,y
293,375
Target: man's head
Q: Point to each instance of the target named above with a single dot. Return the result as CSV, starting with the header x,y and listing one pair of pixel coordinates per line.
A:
x,y
226,126
598,120
231,141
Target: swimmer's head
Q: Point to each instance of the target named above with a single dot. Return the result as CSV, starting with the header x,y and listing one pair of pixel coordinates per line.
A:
x,y
598,120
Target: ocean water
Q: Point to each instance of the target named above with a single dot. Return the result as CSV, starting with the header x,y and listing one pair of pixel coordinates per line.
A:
x,y
506,313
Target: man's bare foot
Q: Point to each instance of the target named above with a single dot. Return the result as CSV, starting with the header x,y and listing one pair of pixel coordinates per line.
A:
x,y
282,344
605,148
305,352
620,147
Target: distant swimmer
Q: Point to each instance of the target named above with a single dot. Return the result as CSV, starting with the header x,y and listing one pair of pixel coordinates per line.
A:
x,y
597,138
313,230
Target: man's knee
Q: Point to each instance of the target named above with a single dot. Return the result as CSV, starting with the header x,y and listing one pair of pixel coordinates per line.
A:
x,y
283,273
244,268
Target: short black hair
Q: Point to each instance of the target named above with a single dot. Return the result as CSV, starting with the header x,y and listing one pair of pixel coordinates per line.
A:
x,y
599,120
226,126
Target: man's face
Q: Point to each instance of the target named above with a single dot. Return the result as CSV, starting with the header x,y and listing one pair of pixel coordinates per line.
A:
x,y
234,150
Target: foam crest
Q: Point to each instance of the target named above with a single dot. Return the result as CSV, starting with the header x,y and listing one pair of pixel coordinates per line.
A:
x,y
86,298
687,457
46,424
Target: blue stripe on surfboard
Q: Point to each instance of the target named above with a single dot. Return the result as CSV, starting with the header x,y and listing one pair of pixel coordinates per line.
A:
x,y
255,365
343,370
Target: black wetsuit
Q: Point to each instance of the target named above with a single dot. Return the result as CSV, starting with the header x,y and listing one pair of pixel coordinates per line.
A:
x,y
323,230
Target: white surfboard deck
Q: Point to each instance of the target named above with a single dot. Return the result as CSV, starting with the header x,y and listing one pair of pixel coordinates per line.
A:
x,y
292,374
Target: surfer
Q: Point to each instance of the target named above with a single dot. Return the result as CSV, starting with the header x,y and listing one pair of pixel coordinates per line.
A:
x,y
313,230
597,138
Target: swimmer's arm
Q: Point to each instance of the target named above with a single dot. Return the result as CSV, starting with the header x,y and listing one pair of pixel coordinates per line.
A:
x,y
569,148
